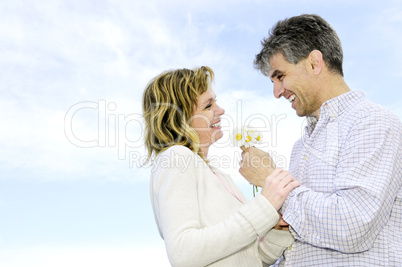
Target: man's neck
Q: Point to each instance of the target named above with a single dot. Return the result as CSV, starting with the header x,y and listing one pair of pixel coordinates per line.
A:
x,y
334,88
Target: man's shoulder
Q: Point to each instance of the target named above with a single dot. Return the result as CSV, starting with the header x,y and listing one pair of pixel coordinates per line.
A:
x,y
369,110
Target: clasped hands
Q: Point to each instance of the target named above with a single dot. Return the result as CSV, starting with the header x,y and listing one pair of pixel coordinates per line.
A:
x,y
259,169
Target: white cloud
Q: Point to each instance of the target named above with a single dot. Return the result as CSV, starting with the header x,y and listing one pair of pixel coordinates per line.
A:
x,y
84,256
65,53
386,28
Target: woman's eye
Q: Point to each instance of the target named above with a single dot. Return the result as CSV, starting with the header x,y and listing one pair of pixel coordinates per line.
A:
x,y
210,105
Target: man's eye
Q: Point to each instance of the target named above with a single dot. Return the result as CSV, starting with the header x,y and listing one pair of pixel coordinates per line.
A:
x,y
280,77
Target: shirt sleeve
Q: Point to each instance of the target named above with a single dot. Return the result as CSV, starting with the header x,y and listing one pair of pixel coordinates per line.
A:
x,y
177,211
366,184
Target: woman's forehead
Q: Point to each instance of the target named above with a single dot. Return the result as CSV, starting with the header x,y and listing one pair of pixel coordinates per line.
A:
x,y
207,95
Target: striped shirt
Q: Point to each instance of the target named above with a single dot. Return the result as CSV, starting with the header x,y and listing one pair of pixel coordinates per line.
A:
x,y
348,210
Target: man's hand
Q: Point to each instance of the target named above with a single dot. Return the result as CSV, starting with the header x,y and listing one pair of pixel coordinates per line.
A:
x,y
281,225
256,165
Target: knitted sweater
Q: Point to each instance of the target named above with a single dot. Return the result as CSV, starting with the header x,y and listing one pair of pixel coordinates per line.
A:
x,y
201,220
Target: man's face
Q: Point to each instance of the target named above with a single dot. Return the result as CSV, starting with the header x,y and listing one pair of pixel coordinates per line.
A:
x,y
295,83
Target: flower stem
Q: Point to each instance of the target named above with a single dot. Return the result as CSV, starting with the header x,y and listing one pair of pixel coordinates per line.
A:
x,y
255,189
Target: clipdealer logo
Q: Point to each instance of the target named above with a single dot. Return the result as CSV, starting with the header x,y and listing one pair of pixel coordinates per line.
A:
x,y
125,132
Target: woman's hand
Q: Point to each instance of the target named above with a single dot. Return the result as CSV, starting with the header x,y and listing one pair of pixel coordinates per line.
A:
x,y
277,187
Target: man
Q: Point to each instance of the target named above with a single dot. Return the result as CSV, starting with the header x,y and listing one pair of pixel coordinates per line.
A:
x,y
348,209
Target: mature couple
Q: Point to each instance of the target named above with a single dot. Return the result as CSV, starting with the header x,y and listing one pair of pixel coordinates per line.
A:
x,y
340,200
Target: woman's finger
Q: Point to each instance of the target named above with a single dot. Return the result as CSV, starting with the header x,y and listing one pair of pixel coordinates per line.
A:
x,y
275,173
292,185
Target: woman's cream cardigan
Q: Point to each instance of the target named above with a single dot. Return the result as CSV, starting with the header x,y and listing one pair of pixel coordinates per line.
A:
x,y
203,224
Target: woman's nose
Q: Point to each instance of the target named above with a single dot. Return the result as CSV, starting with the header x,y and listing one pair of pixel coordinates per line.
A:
x,y
220,111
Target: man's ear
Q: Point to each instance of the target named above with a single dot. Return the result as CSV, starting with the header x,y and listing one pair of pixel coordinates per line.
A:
x,y
316,62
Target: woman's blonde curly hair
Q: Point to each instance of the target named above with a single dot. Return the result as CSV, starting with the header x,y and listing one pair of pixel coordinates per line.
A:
x,y
168,103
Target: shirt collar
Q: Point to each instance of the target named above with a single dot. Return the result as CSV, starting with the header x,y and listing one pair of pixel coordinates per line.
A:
x,y
311,123
334,107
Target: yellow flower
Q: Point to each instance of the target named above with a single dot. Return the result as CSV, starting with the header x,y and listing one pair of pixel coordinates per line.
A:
x,y
246,137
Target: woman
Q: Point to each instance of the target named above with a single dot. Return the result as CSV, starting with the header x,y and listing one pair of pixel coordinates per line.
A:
x,y
202,216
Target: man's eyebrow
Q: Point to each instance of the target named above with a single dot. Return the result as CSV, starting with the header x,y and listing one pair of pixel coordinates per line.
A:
x,y
275,73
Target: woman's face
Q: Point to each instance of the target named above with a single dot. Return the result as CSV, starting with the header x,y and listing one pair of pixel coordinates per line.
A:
x,y
206,119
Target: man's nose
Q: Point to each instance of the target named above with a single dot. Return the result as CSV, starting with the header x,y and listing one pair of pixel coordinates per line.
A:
x,y
278,89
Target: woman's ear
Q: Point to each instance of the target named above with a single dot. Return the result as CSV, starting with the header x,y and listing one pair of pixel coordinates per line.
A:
x,y
316,61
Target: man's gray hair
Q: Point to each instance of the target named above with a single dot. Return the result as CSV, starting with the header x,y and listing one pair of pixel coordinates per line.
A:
x,y
296,37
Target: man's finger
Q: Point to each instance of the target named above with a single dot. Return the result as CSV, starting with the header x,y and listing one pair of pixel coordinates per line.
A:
x,y
241,164
244,148
281,222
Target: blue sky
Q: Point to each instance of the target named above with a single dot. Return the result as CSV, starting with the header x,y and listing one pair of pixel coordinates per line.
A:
x,y
72,77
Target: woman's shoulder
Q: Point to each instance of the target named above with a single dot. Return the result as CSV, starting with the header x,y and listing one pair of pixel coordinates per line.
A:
x,y
177,149
180,158
178,153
